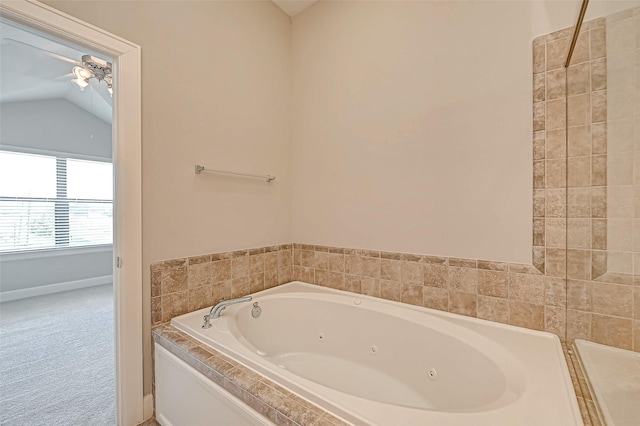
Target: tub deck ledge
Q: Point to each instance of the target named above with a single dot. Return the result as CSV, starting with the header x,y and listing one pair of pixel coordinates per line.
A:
x,y
263,395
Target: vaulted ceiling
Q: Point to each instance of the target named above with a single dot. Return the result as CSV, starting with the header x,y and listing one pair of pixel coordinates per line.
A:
x,y
33,68
293,7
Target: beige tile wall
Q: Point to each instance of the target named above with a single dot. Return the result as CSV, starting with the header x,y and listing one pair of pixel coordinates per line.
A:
x,y
182,285
504,292
578,184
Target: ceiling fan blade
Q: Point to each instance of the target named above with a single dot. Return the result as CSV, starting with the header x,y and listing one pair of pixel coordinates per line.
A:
x,y
55,55
64,77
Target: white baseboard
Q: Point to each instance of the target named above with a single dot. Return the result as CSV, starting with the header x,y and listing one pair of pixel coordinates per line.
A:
x,y
6,296
147,406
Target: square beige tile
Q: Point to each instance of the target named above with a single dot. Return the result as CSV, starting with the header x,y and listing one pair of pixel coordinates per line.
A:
x,y
612,299
578,79
556,53
538,203
463,280
412,274
599,106
463,303
578,264
539,174
556,170
538,232
579,295
612,331
579,141
555,143
599,74
599,234
436,298
556,262
371,267
436,275
578,324
579,202
539,145
555,114
221,270
527,288
526,315
390,290
556,232
539,87
599,202
411,294
493,309
390,270
581,52
578,110
579,171
555,84
598,43
599,138
556,203
555,320
493,283
539,55
370,287
578,233
555,292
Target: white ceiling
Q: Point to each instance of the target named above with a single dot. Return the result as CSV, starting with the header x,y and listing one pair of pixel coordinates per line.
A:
x,y
28,73
293,7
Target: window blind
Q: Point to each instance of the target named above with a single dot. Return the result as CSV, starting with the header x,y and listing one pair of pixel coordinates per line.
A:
x,y
49,202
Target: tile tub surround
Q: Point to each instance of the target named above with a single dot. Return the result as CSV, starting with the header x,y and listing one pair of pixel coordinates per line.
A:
x,y
579,192
183,285
509,293
266,397
570,153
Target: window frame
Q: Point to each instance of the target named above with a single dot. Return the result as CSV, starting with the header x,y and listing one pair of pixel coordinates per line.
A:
x,y
60,244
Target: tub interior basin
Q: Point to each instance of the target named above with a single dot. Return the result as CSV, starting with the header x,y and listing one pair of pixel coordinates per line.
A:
x,y
380,357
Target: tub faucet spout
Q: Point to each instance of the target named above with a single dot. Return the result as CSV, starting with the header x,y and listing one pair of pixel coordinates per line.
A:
x,y
220,306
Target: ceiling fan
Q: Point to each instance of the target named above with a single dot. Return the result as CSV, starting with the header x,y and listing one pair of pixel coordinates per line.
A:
x,y
89,67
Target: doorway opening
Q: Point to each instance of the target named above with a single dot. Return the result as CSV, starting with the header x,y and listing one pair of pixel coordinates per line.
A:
x,y
57,355
126,271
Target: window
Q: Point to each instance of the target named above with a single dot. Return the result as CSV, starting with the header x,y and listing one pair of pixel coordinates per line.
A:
x,y
54,202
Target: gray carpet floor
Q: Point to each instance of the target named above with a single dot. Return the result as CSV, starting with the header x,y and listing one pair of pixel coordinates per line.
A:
x,y
57,359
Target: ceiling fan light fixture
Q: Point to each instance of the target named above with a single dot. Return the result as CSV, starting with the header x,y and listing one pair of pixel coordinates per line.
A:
x,y
110,90
81,83
82,73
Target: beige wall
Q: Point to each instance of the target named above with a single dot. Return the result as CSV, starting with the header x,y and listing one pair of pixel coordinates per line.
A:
x,y
215,91
412,125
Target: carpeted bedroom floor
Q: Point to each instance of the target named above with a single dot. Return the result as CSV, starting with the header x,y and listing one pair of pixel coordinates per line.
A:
x,y
57,359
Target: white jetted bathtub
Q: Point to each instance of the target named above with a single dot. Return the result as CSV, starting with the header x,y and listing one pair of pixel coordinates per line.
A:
x,y
372,361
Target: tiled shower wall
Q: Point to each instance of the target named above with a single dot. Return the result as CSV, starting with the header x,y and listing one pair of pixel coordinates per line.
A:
x,y
570,233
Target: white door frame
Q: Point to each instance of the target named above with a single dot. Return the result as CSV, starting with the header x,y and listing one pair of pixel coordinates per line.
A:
x,y
127,193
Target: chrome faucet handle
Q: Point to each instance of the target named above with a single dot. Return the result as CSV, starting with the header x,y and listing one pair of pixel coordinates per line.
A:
x,y
207,324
